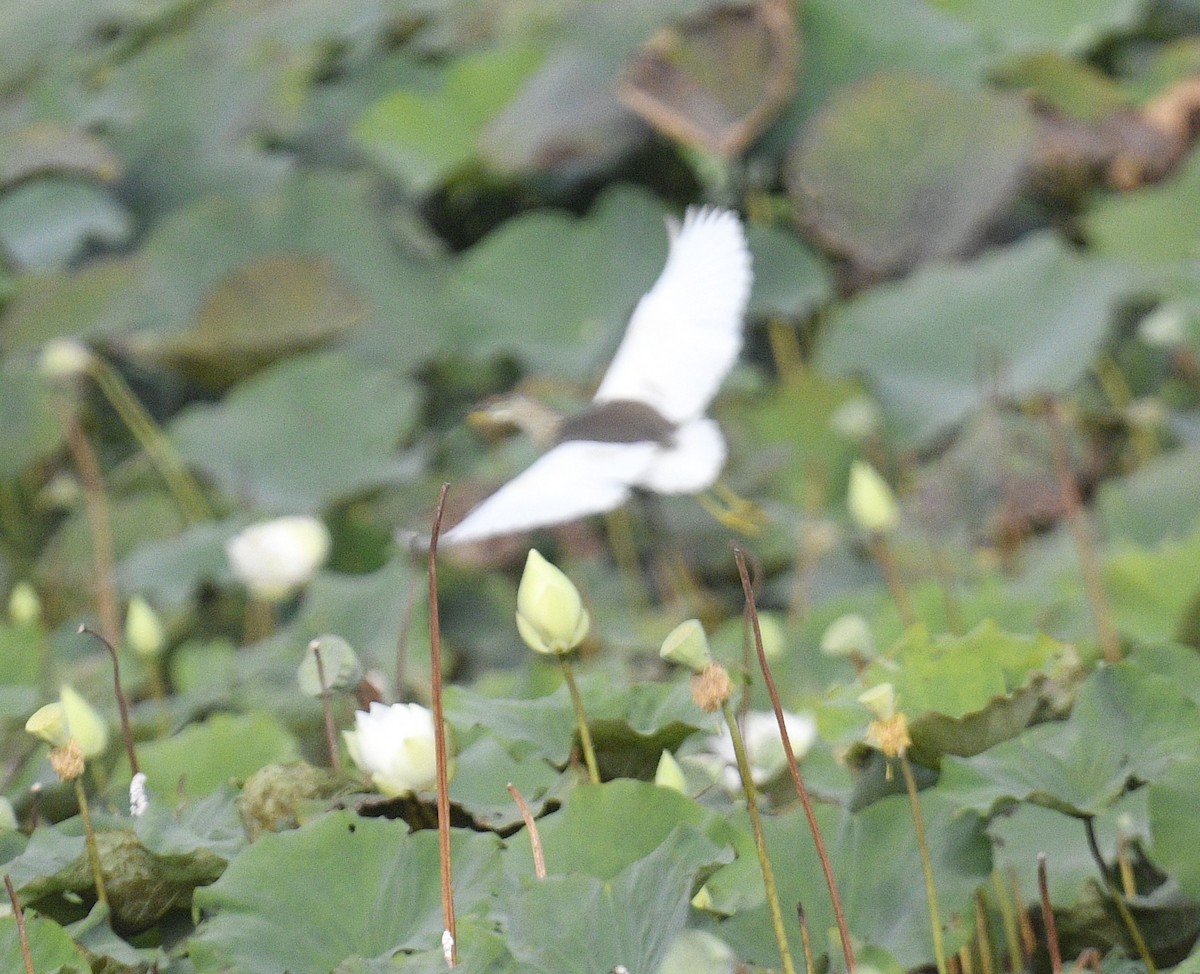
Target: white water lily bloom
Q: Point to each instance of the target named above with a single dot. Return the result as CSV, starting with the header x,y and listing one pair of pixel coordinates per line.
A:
x,y
646,426
274,558
764,747
550,614
395,746
65,358
24,606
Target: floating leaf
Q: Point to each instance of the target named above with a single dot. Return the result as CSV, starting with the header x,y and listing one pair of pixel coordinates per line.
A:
x,y
29,429
1030,315
46,223
50,947
46,147
307,432
1071,26
900,170
1127,727
207,755
382,897
715,81
572,924
423,137
269,307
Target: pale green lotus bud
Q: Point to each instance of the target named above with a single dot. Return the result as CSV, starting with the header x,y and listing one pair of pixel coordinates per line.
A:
x,y
143,629
24,606
50,724
669,774
339,663
774,639
8,816
871,501
848,635
857,418
1164,327
699,952
880,700
275,558
65,358
686,645
550,614
84,722
395,746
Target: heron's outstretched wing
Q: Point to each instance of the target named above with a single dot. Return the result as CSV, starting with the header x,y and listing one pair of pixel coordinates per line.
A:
x,y
686,331
574,479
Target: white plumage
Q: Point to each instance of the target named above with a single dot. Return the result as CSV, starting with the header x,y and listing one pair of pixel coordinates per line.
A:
x,y
683,338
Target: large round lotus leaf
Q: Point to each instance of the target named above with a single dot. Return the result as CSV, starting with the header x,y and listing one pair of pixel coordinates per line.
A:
x,y
900,170
303,434
578,924
262,310
1065,25
29,429
45,223
1126,726
338,887
98,300
1153,226
205,756
50,947
422,137
1027,318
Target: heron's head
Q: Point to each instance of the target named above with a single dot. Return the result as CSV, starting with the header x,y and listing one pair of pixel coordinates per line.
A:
x,y
499,415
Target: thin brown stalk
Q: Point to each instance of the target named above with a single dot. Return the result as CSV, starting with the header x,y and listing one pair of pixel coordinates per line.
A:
x,y
535,837
95,506
335,758
1048,917
801,790
19,916
122,700
450,936
1085,547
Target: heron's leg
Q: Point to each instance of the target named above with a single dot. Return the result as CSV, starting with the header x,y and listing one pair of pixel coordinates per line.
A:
x,y
732,510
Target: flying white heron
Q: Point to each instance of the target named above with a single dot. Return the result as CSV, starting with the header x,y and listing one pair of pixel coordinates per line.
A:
x,y
646,428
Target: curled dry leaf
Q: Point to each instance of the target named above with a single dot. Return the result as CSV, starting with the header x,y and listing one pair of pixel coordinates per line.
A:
x,y
715,81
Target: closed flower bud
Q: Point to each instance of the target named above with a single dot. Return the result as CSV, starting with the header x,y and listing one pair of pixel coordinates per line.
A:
x,y
50,724
339,664
143,629
550,614
394,745
24,606
669,774
871,501
848,635
84,722
880,700
275,558
64,358
686,645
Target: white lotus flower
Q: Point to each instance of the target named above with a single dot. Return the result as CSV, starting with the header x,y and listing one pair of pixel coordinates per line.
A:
x,y
764,747
395,746
274,558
